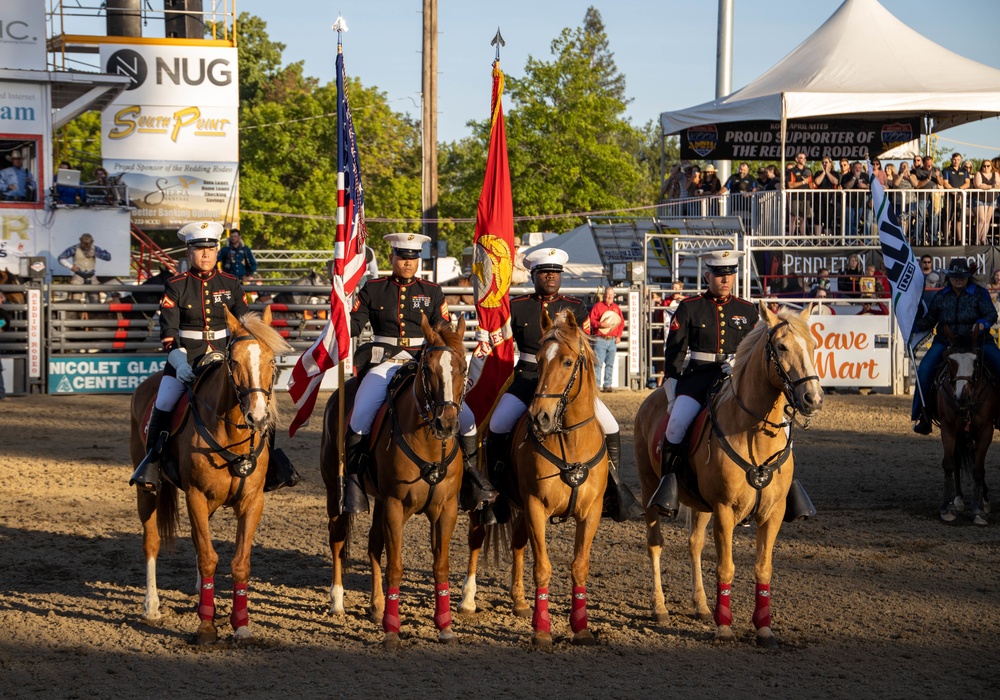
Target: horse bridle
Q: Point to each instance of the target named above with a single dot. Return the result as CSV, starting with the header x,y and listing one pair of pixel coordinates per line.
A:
x,y
788,384
241,394
428,410
564,396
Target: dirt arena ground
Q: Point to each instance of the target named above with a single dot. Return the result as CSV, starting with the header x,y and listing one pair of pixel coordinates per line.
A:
x,y
875,596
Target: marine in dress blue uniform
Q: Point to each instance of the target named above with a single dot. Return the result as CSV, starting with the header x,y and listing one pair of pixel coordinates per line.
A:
x,y
710,326
395,307
546,266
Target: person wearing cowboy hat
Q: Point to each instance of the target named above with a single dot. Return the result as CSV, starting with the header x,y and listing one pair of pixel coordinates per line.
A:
x,y
710,326
395,306
17,184
192,325
962,310
546,266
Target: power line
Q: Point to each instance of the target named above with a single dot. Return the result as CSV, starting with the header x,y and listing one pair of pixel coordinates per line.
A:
x,y
456,220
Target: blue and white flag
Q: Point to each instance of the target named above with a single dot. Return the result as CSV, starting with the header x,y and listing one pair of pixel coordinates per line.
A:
x,y
905,277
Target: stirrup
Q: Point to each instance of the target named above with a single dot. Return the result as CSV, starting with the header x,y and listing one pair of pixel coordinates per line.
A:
x,y
355,498
666,498
146,476
798,504
280,471
476,490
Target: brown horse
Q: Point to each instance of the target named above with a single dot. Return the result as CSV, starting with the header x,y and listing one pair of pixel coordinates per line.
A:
x,y
741,464
221,448
417,469
10,278
560,470
967,405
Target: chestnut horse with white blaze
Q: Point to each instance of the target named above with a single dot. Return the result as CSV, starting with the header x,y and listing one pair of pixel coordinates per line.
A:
x,y
222,451
740,464
418,469
560,472
967,404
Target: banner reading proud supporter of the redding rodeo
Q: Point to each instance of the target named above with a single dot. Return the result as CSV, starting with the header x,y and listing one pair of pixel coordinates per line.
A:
x,y
173,135
761,140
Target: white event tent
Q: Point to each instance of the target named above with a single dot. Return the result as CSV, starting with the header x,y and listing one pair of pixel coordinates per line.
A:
x,y
850,68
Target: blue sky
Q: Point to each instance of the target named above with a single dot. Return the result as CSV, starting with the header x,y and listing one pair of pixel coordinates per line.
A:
x,y
665,48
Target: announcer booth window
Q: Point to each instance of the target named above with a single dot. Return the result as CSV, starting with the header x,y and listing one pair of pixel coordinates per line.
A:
x,y
21,175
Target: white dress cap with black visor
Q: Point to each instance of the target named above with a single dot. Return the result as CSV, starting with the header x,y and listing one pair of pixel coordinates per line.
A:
x,y
722,262
201,234
546,260
406,245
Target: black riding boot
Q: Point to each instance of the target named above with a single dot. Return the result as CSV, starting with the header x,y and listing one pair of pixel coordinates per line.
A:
x,y
619,501
147,475
666,498
497,460
476,488
355,498
797,503
280,470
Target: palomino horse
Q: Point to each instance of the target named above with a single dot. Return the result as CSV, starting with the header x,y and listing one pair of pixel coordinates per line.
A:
x,y
741,464
967,405
560,470
221,448
418,469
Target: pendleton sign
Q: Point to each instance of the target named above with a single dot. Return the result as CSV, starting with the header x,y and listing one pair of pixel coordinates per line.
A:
x,y
761,140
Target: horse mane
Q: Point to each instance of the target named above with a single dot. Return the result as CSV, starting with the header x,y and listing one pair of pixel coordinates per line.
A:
x,y
564,335
265,334
753,345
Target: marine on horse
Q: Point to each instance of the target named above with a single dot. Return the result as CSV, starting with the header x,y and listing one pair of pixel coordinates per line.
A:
x,y
737,465
958,376
526,311
222,436
418,363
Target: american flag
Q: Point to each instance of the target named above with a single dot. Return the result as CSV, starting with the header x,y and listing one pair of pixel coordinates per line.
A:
x,y
349,266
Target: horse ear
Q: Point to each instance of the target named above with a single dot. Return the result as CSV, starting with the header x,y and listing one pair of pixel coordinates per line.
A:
x,y
266,315
429,333
767,314
460,328
546,321
807,312
232,322
570,320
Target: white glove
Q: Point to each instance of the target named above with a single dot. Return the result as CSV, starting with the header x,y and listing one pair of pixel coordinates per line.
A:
x,y
671,387
179,361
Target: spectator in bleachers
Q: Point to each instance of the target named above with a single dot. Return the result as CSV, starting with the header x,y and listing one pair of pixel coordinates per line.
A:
x,y
955,177
711,186
927,177
821,309
822,281
798,177
850,280
739,187
672,185
825,221
903,200
858,183
985,183
773,183
933,279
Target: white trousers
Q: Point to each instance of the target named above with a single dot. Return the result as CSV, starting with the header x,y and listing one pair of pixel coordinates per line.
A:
x,y
686,409
510,409
371,396
170,392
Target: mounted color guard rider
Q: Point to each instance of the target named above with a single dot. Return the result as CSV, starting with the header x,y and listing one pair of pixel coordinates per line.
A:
x,y
546,266
963,307
394,306
710,325
192,325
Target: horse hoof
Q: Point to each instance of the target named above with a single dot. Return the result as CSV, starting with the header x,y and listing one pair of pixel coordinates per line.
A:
x,y
584,638
391,642
948,516
703,615
524,611
766,639
724,634
375,615
243,634
661,618
446,636
542,640
206,636
980,519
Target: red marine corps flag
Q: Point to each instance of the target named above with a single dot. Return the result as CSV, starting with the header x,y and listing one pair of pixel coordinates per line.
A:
x,y
493,263
349,261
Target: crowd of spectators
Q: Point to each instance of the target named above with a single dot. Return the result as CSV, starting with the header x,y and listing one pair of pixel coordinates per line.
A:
x,y
928,214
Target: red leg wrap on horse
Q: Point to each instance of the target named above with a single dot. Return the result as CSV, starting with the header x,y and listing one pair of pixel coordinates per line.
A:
x,y
723,613
762,606
206,600
540,619
239,617
390,618
442,606
578,615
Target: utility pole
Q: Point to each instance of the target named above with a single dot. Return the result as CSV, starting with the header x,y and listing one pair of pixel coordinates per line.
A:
x,y
428,103
724,69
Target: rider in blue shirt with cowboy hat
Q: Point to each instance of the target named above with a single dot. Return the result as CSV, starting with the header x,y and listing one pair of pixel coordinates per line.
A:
x,y
966,310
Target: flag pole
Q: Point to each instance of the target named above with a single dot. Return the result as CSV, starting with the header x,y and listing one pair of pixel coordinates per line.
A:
x,y
340,26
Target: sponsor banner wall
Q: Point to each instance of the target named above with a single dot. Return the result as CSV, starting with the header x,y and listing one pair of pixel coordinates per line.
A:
x,y
183,106
761,140
17,236
101,374
28,232
852,350
22,35
22,109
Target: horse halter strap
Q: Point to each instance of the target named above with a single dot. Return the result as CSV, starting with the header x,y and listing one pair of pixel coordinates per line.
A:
x,y
426,411
564,396
788,383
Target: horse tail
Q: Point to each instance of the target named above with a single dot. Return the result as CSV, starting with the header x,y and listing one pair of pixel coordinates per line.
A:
x,y
350,523
167,515
496,546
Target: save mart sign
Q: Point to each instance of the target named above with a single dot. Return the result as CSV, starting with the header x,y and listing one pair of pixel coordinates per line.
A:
x,y
101,374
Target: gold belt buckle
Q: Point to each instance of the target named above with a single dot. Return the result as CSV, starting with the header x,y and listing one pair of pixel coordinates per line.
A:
x,y
404,342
